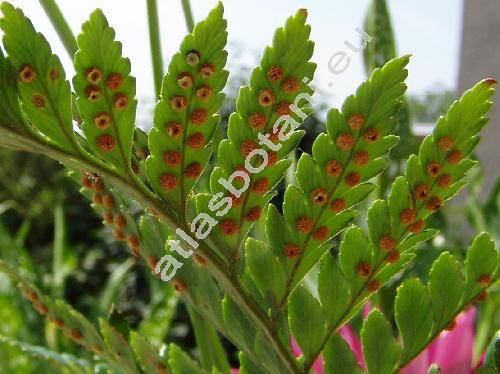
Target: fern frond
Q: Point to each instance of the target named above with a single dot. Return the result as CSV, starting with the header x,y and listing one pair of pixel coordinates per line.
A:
x,y
263,120
106,92
335,178
44,92
442,300
186,116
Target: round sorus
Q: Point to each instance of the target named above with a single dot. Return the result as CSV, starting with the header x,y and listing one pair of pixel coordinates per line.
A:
x,y
272,158
196,140
207,70
338,205
108,201
275,73
484,280
353,179
58,323
319,196
199,116
193,58
119,235
393,257
102,120
236,201
228,227
178,103
93,75
321,234
40,308
76,334
361,158
97,199
445,143
291,250
291,85
444,180
31,295
334,168
266,97
482,296
152,262
386,243
356,121
98,185
454,157
105,142
247,146
422,191
168,181
86,181
108,217
27,74
115,80
174,129
120,221
363,269
433,204
54,74
407,216
371,135
96,349
161,368
172,158
120,101
93,93
344,141
185,80
451,326
193,170
204,93
283,108
257,120
274,136
240,168
253,214
261,186
433,169
179,285
417,226
373,286
199,260
38,100
304,224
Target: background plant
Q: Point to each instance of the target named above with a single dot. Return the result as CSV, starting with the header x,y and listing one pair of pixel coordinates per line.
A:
x,y
259,295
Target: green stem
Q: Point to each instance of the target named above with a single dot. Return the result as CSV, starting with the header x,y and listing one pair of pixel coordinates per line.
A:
x,y
155,44
188,14
60,25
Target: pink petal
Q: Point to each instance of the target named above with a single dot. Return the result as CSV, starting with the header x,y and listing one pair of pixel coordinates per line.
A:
x,y
452,350
354,343
419,365
318,364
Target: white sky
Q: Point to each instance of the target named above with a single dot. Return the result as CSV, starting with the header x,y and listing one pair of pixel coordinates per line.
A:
x,y
428,29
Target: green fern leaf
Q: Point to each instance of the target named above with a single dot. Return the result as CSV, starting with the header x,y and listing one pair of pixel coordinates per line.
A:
x,y
274,86
147,354
118,346
180,362
106,93
380,348
339,358
185,117
414,315
44,92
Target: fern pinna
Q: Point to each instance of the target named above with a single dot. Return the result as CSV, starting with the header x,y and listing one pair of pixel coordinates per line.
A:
x,y
260,290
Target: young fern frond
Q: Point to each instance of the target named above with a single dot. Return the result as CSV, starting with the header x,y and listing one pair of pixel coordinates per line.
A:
x,y
263,130
332,181
186,115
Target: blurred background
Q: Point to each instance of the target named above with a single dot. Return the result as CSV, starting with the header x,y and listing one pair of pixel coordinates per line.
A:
x,y
49,228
